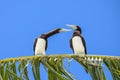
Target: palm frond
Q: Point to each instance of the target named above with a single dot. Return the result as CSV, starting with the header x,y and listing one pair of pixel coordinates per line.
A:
x,y
18,68
36,68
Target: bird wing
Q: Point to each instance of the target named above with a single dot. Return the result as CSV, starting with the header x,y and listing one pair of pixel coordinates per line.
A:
x,y
46,45
71,46
34,44
84,44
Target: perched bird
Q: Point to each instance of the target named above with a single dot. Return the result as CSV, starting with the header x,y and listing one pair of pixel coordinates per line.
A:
x,y
77,42
40,43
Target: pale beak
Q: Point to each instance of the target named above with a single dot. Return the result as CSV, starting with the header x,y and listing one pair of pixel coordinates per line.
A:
x,y
71,26
64,30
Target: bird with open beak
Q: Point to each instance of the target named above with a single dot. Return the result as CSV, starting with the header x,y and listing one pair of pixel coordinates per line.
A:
x,y
41,43
77,42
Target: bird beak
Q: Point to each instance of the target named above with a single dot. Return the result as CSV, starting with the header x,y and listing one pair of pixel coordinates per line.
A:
x,y
64,30
71,26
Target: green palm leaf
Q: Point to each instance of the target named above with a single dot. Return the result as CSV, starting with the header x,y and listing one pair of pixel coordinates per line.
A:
x,y
19,68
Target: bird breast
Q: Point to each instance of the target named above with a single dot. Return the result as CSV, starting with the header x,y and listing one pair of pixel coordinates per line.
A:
x,y
77,44
40,46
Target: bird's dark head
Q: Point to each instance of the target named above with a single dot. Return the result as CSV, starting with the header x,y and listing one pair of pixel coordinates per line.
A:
x,y
53,32
74,27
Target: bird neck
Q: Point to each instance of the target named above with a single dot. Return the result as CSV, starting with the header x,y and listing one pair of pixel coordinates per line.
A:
x,y
77,33
51,33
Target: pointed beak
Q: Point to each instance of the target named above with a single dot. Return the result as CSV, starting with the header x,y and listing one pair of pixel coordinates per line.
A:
x,y
71,26
64,30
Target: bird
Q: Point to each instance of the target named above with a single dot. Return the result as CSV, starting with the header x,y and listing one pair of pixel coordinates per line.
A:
x,y
77,42
41,43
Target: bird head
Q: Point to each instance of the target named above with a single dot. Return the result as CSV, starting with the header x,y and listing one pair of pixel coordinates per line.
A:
x,y
53,32
74,27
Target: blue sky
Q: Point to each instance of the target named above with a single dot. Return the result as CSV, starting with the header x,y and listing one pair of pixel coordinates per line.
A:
x,y
21,21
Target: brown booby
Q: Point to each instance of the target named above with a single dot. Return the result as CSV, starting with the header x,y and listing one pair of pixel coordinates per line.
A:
x,y
40,43
77,42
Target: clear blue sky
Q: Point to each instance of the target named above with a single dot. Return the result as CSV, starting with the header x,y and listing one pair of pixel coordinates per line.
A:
x,y
21,21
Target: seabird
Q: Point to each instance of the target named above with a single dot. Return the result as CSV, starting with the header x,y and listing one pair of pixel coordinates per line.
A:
x,y
77,42
40,43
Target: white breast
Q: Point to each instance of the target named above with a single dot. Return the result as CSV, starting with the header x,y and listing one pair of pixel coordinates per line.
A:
x,y
78,45
40,47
